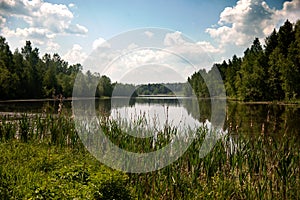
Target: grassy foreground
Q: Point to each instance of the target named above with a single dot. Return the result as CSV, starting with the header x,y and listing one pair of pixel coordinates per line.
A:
x,y
43,158
39,171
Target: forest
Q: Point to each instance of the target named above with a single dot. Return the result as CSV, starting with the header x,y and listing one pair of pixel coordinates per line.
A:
x,y
265,73
268,72
24,74
161,89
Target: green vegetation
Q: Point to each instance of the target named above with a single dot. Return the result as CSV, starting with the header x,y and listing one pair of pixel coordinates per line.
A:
x,y
42,158
160,89
262,74
25,75
130,90
40,171
261,169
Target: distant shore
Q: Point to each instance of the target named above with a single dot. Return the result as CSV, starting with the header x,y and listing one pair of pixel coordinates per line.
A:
x,y
275,102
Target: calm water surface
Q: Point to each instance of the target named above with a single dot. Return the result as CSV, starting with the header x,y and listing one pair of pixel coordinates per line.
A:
x,y
241,118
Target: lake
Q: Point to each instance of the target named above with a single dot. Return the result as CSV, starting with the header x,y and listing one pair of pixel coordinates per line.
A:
x,y
249,119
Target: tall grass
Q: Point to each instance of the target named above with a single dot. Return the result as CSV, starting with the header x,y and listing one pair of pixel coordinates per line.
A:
x,y
261,167
42,157
238,167
51,129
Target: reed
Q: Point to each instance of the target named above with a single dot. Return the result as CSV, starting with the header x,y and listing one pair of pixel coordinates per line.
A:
x,y
238,167
263,167
7,129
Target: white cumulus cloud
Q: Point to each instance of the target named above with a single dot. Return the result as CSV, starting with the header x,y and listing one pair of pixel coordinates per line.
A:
x,y
41,20
100,42
75,55
240,24
290,10
52,46
2,21
174,38
200,53
72,5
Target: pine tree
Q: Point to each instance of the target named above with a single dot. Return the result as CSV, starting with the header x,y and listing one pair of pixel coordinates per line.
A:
x,y
285,37
9,80
271,42
32,65
251,76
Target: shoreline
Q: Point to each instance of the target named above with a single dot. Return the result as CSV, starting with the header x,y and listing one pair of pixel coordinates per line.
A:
x,y
275,102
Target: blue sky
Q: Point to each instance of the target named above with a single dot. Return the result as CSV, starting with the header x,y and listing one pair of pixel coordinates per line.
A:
x,y
73,28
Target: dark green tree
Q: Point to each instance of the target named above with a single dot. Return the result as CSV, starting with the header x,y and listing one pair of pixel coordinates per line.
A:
x,y
296,56
231,75
251,81
290,73
285,37
272,73
271,42
198,84
50,83
105,87
32,71
9,79
6,55
276,60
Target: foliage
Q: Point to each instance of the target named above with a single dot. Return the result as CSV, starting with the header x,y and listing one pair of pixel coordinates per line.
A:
x,y
198,84
124,90
25,75
269,73
160,89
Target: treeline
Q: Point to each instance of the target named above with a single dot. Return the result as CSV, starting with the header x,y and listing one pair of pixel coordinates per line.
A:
x,y
269,72
205,84
160,89
131,90
24,74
